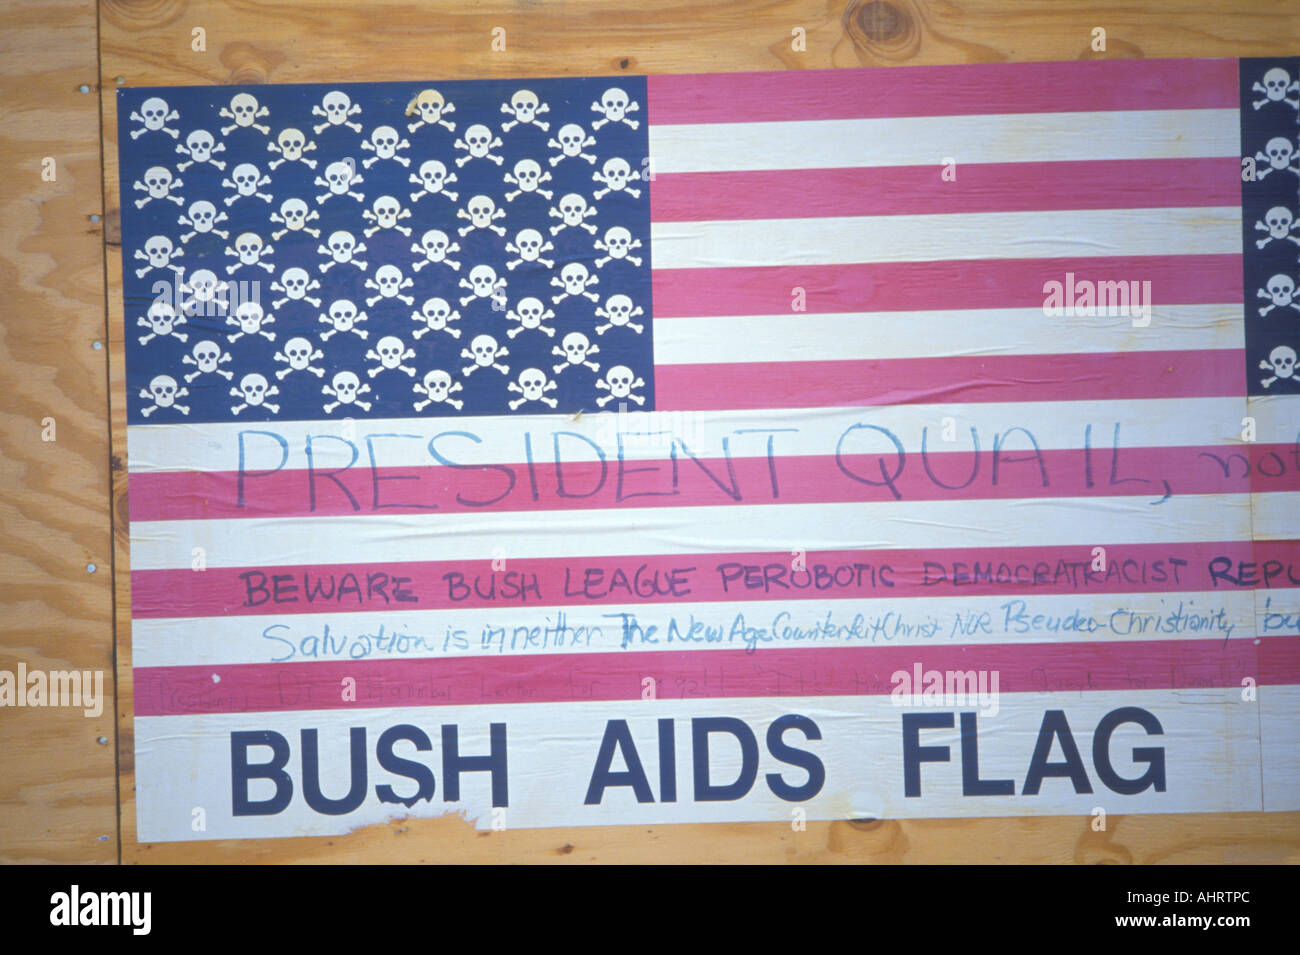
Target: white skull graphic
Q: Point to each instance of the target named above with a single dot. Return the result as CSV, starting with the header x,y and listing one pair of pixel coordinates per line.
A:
x,y
619,312
390,352
614,106
619,381
343,317
484,351
1281,361
347,388
207,356
532,385
528,176
163,391
434,177
199,146
438,386
434,316
575,348
336,106
574,280
245,111
1281,292
254,389
155,114
430,105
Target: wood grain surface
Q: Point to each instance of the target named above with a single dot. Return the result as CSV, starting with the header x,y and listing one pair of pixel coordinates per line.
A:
x,y
57,783
58,791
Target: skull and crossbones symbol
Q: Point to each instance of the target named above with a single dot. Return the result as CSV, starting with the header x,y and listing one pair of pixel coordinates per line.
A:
x,y
199,146
438,386
343,317
295,283
530,313
336,107
436,245
158,252
1281,291
291,144
478,144
207,356
528,176
161,320
619,382
1277,83
254,389
342,248
481,212
434,315
347,388
619,311
1278,153
155,114
432,107
618,243
1281,362
483,283
385,142
571,140
574,280
484,351
250,319
294,215
298,355
245,111
614,106
246,179
614,175
203,219
524,108
207,292
1278,223
575,348
339,179
385,212
388,283
250,249
528,246
390,351
573,210
164,391
434,177
532,385
158,182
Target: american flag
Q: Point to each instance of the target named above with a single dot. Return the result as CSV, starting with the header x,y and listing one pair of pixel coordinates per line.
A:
x,y
741,392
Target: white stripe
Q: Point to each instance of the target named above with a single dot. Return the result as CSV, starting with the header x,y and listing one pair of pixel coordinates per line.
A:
x,y
749,243
1209,744
931,140
509,630
780,528
1276,513
1274,416
939,334
1279,715
1156,423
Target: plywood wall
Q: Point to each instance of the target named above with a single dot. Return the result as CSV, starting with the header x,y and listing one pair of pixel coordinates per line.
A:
x,y
66,797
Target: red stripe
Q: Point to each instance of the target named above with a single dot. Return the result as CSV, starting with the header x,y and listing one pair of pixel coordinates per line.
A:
x,y
919,190
220,591
714,674
969,89
907,381
804,479
916,286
